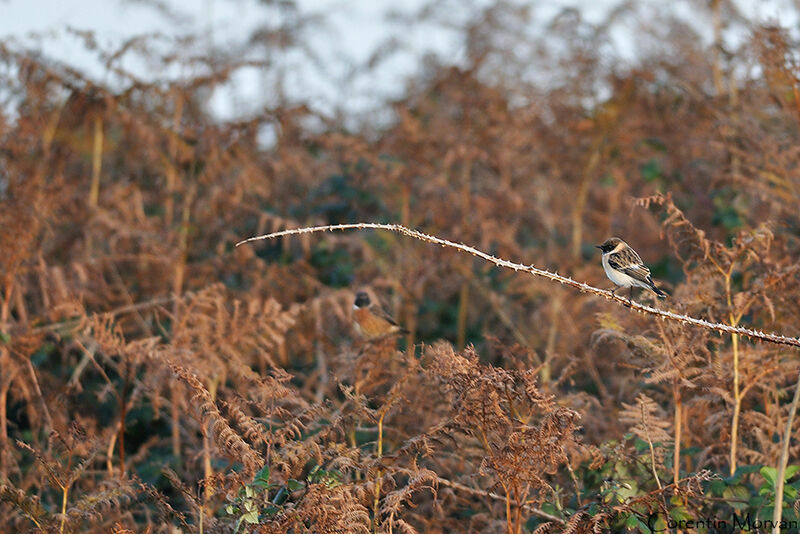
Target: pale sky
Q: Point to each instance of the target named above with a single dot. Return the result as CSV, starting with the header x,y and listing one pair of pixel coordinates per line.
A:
x,y
351,31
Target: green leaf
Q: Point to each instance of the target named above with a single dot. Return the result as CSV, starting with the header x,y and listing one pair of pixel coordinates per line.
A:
x,y
660,524
295,485
251,517
791,470
740,472
766,513
634,522
281,496
770,474
680,513
261,480
271,510
627,490
717,487
262,475
739,493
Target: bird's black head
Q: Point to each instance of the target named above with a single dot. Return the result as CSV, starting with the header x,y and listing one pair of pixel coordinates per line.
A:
x,y
609,244
362,300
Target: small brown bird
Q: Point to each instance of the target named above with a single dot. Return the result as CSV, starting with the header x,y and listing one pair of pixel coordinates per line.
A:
x,y
625,268
372,322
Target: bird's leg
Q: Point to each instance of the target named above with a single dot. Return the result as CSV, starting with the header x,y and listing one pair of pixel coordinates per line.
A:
x,y
614,291
630,295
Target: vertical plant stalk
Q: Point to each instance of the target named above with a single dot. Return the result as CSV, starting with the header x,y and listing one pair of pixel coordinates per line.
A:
x,y
97,160
733,320
110,452
322,362
64,494
580,202
552,335
48,420
123,412
737,403
650,443
208,469
6,377
177,289
5,385
463,309
463,293
171,169
411,316
777,511
716,68
376,500
65,485
488,449
174,411
405,204
676,457
737,394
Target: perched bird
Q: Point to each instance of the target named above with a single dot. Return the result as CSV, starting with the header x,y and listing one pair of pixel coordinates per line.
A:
x,y
625,268
372,322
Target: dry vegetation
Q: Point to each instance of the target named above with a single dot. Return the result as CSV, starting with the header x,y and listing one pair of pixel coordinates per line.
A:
x,y
154,377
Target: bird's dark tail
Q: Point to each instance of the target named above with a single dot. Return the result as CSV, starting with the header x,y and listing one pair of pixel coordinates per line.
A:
x,y
660,294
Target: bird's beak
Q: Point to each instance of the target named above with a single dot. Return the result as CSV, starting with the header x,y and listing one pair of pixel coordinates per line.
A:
x,y
598,246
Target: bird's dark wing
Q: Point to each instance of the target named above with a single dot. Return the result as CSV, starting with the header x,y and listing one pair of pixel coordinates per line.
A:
x,y
381,313
629,262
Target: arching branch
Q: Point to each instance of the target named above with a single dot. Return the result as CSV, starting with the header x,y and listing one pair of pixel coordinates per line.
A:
x,y
581,286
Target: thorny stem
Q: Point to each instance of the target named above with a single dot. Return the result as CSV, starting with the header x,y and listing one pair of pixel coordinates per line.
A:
x,y
535,271
777,511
